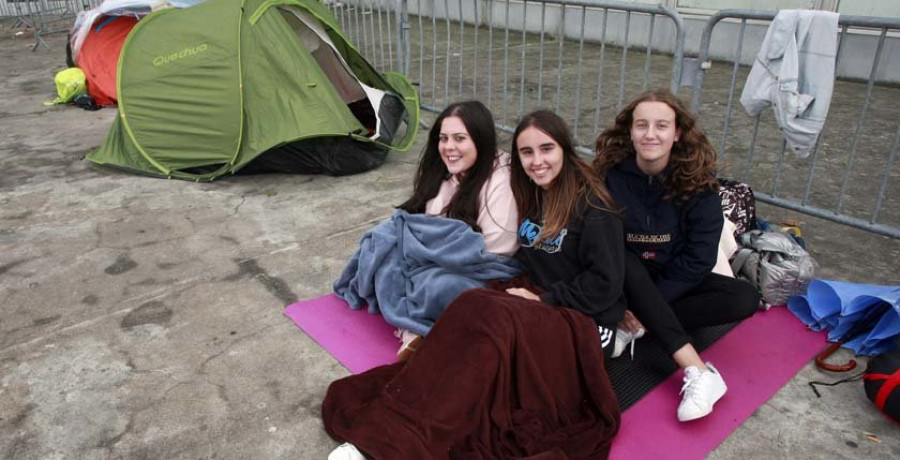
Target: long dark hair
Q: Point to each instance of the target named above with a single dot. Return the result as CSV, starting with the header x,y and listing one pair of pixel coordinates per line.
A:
x,y
692,164
432,171
576,178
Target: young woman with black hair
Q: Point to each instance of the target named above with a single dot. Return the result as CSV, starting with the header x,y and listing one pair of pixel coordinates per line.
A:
x,y
463,177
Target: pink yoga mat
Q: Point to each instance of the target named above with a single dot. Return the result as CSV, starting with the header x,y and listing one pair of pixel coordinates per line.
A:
x,y
756,358
359,340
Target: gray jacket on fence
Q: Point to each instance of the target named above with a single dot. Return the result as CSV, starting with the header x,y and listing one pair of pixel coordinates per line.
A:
x,y
794,71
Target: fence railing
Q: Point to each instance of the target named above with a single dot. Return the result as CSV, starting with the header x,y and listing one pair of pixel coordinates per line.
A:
x,y
585,58
846,177
44,17
576,57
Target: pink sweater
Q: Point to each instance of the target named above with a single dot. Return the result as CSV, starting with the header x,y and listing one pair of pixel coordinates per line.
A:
x,y
498,216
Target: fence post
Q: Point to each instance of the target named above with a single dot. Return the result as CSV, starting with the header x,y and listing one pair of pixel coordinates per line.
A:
x,y
403,36
678,53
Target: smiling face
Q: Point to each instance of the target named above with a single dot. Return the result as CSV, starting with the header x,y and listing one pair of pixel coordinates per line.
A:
x,y
653,133
541,156
456,146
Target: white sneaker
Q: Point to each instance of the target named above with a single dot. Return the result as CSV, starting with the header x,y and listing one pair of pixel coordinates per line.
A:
x,y
701,390
623,339
346,451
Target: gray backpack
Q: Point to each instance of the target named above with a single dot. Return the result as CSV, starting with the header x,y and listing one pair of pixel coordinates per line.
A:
x,y
775,264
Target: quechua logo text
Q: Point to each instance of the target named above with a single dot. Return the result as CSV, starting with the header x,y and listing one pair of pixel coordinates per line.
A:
x,y
185,53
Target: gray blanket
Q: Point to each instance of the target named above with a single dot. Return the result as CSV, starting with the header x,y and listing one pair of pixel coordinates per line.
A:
x,y
409,268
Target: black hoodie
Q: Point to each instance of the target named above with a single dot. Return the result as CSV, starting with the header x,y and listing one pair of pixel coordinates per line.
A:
x,y
584,267
678,243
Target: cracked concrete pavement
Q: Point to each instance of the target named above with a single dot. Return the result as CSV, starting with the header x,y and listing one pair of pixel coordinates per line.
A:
x,y
141,318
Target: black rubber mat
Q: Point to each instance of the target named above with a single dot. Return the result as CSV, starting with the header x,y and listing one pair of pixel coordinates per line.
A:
x,y
631,380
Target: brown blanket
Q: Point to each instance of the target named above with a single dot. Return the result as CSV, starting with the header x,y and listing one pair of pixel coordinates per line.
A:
x,y
498,377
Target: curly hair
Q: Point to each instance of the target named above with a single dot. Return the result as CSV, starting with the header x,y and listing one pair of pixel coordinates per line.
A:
x,y
576,178
692,164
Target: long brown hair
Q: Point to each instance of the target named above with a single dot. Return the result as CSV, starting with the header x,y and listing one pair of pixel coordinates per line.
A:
x,y
576,178
432,171
692,163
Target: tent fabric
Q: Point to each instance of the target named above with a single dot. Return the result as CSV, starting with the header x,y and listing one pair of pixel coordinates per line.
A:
x,y
85,20
337,156
99,56
203,91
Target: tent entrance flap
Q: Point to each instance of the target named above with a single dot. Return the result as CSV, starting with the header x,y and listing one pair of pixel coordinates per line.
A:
x,y
363,100
316,41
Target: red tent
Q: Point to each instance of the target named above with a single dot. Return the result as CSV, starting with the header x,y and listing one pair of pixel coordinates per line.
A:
x,y
99,56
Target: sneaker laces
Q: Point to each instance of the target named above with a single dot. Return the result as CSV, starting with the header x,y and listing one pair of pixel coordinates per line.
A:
x,y
633,338
692,376
637,335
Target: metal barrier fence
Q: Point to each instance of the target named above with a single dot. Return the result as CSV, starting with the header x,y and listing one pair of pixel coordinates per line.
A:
x,y
516,56
846,177
44,17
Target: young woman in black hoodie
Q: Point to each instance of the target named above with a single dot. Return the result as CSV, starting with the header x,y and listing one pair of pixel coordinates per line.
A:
x,y
661,169
572,243
570,238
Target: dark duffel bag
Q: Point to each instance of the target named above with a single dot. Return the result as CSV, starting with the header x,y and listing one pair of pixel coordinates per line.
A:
x,y
882,383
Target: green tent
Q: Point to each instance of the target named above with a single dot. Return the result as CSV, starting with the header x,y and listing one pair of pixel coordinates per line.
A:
x,y
257,85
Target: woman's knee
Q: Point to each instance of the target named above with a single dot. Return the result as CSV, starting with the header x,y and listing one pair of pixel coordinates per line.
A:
x,y
746,301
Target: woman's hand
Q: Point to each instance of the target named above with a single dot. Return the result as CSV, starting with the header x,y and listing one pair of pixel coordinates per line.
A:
x,y
524,293
630,323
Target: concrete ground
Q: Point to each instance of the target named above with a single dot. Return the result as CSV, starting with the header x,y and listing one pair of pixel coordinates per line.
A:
x,y
141,318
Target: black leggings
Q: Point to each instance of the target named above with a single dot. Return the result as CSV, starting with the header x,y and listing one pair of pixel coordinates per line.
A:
x,y
716,300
